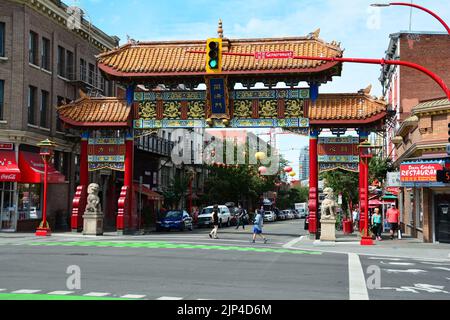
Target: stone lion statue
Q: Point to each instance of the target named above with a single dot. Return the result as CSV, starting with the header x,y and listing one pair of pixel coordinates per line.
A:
x,y
329,205
93,201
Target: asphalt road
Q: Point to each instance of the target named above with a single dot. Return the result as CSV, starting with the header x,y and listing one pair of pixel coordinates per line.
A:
x,y
190,266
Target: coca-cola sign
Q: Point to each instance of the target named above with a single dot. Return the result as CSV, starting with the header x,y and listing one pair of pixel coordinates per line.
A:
x,y
6,146
7,177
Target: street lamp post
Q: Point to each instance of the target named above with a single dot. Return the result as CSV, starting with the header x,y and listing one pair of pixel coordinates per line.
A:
x,y
414,6
365,154
46,152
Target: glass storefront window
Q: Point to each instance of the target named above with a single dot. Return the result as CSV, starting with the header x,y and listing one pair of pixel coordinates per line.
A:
x,y
420,208
7,206
29,201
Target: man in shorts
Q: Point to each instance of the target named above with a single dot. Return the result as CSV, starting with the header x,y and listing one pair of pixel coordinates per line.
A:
x,y
258,225
393,218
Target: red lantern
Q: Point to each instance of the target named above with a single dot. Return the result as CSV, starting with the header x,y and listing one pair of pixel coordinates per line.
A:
x,y
288,169
262,170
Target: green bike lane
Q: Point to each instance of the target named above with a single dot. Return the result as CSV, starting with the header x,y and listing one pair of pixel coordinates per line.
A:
x,y
155,269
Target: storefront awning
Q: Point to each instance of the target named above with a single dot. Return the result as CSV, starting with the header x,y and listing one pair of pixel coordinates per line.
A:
x,y
150,194
32,169
9,170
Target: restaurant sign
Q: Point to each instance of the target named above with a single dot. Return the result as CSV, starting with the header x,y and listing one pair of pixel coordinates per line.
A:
x,y
419,172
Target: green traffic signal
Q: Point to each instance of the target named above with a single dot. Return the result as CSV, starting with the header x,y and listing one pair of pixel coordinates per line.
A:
x,y
213,55
213,64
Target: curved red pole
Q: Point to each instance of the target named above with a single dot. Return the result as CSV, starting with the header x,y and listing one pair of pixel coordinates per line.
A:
x,y
416,66
423,9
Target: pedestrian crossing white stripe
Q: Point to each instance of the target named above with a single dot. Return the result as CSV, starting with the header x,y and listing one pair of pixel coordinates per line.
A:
x,y
60,293
2,290
133,296
26,291
169,298
96,294
442,268
357,281
292,243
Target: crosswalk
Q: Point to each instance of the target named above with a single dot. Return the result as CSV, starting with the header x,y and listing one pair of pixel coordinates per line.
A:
x,y
64,293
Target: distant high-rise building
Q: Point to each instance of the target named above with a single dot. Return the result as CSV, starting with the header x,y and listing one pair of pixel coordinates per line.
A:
x,y
304,164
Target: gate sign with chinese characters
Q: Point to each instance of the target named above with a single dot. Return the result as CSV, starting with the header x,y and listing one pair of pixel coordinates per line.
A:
x,y
338,153
218,98
106,153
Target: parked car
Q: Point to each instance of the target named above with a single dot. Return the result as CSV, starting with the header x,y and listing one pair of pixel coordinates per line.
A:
x,y
269,216
290,214
175,219
281,215
205,217
302,214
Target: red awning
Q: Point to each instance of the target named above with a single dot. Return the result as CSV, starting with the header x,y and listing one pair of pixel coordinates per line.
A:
x,y
32,169
150,194
9,171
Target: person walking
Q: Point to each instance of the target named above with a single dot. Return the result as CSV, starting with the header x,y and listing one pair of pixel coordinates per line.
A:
x,y
355,216
215,222
258,226
393,218
240,217
377,224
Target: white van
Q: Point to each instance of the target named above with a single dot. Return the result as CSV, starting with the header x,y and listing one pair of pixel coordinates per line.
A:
x,y
205,217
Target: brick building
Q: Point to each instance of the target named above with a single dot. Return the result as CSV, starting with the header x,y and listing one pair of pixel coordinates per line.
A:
x,y
45,59
418,134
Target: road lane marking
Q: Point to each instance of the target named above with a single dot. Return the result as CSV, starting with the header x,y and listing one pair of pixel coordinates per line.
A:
x,y
357,281
436,263
380,258
414,271
60,293
96,294
401,263
2,290
133,296
169,298
26,291
292,243
442,268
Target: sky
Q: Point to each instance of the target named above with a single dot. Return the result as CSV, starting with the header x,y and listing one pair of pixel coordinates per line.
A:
x,y
362,30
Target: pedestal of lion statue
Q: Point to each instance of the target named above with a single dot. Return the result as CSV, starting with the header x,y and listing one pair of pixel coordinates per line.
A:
x,y
93,216
328,230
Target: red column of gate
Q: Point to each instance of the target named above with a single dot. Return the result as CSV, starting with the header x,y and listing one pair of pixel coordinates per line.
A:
x,y
362,191
128,179
313,182
80,198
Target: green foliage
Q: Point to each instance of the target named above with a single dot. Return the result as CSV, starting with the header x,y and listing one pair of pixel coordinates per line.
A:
x,y
378,168
344,182
176,191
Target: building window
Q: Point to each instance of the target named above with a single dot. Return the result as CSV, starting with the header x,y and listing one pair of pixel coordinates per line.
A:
x,y
29,201
83,70
44,108
70,70
33,48
2,95
7,206
60,101
32,105
45,57
91,74
2,39
61,62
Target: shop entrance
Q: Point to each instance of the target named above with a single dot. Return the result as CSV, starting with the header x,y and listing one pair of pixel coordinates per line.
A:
x,y
442,218
8,221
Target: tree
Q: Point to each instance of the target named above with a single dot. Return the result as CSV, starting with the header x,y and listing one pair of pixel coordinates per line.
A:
x,y
378,168
344,182
176,191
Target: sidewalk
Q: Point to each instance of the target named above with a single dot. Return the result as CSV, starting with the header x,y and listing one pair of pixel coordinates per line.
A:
x,y
405,248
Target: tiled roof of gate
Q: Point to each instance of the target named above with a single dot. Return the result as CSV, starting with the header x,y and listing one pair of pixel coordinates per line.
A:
x,y
346,106
164,58
103,111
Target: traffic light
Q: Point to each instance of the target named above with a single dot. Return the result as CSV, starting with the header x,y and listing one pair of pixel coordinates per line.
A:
x,y
214,56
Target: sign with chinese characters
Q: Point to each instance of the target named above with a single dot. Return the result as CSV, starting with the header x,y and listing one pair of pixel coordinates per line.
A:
x,y
419,172
106,153
338,153
217,98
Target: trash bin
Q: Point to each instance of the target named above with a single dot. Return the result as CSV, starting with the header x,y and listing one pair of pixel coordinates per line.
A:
x,y
347,226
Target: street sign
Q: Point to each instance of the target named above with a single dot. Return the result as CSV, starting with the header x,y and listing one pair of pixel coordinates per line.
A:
x,y
274,55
